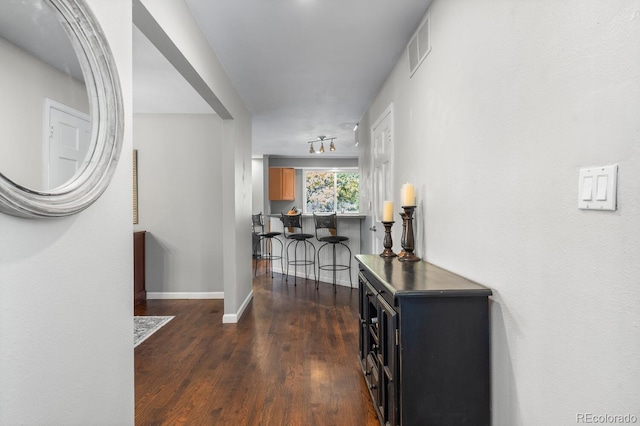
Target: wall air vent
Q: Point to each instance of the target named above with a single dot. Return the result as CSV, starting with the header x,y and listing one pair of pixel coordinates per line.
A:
x,y
419,46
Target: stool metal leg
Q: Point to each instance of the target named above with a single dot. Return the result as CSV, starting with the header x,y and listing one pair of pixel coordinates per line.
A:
x,y
313,256
264,253
270,256
350,256
306,262
269,260
281,246
315,277
255,256
306,274
334,267
295,263
267,254
288,262
319,265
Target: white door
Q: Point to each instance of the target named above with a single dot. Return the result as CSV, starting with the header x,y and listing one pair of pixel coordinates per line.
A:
x,y
67,143
382,155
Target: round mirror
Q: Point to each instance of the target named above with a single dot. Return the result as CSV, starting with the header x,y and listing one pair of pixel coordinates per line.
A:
x,y
62,121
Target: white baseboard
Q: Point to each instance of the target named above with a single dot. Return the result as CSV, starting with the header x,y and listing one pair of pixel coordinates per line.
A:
x,y
234,318
185,295
323,279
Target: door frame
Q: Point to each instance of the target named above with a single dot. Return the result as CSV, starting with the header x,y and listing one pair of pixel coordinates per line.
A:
x,y
377,209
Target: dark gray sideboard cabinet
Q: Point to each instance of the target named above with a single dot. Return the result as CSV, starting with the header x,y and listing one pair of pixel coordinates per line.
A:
x,y
424,343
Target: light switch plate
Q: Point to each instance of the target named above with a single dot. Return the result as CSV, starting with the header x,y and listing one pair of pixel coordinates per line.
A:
x,y
597,188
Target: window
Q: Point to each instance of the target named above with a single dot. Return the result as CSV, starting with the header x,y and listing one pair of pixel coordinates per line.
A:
x,y
331,191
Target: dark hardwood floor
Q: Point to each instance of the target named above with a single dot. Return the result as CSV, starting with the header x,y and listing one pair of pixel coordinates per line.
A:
x,y
291,360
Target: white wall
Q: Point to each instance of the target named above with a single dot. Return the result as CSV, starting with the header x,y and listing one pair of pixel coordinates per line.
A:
x,y
257,185
514,98
66,327
25,82
179,192
170,25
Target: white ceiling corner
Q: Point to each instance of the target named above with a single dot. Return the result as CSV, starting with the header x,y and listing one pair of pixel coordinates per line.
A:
x,y
158,88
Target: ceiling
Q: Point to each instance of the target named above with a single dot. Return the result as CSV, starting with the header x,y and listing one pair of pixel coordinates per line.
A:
x,y
304,68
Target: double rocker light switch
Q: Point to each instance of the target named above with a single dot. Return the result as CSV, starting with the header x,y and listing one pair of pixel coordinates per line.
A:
x,y
597,188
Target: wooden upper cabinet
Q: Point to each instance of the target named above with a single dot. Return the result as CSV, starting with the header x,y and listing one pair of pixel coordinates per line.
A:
x,y
288,184
282,184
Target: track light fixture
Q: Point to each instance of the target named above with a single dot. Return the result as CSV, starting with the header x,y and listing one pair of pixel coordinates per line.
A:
x,y
321,139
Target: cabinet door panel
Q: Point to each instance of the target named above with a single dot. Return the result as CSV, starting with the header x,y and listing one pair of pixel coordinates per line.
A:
x,y
363,332
282,184
371,315
288,184
389,355
275,183
372,377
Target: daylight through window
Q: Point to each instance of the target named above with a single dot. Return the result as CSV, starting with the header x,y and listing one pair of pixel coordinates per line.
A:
x,y
326,191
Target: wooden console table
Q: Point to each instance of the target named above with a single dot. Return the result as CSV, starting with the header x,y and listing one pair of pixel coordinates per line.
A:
x,y
139,287
424,343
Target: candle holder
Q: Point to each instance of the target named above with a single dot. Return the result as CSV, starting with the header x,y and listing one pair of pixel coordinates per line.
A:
x,y
404,233
408,243
387,242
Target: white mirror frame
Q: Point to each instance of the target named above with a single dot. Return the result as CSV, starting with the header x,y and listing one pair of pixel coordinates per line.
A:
x,y
105,100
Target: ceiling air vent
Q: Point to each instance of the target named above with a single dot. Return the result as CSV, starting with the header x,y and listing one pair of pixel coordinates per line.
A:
x,y
419,46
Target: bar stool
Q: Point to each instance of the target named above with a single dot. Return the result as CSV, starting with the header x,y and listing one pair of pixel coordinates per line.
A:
x,y
266,239
293,231
327,233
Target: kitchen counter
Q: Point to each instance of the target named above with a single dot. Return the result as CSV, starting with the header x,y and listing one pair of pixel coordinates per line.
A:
x,y
348,225
340,215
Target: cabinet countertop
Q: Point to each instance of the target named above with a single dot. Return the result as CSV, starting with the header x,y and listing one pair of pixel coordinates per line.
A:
x,y
419,279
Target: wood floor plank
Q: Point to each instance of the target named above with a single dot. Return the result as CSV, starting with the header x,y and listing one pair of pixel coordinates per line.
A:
x,y
291,360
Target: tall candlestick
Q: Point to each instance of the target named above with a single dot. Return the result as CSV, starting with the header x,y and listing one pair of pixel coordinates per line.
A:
x,y
408,243
404,233
408,195
388,242
387,213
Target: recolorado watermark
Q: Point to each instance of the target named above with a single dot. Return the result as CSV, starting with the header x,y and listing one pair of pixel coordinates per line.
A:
x,y
590,418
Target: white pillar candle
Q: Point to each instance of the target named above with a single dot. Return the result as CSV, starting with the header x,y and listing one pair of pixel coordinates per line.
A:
x,y
408,195
387,212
